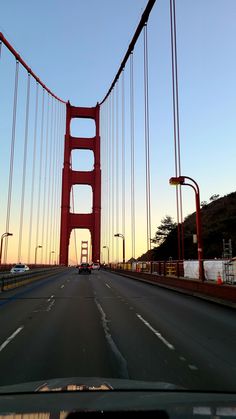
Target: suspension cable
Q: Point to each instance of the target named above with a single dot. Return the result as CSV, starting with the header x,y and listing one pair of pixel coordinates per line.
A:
x,y
56,176
123,151
24,166
49,196
113,173
132,155
109,156
178,129
147,142
33,172
176,122
45,180
143,21
52,177
13,137
40,169
28,69
117,169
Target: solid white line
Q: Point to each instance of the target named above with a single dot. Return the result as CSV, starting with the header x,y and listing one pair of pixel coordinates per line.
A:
x,y
156,332
108,285
4,344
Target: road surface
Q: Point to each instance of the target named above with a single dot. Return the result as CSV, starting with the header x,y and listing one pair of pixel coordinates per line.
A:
x,y
106,325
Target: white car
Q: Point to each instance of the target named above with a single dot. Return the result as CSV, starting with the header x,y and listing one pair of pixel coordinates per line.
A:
x,y
19,267
95,266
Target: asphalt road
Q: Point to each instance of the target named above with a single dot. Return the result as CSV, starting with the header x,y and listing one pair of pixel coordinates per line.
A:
x,y
106,325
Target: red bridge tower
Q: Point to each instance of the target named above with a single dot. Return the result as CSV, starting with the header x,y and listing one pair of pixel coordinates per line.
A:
x,y
70,177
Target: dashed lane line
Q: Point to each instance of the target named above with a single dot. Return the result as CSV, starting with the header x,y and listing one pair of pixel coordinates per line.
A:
x,y
158,334
8,340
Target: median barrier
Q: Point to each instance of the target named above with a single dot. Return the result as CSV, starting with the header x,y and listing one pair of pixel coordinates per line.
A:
x,y
10,281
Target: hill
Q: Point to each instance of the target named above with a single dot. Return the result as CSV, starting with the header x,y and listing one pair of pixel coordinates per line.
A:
x,y
218,223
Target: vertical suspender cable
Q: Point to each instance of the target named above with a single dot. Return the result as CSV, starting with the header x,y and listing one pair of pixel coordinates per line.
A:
x,y
175,127
132,155
59,169
24,166
117,169
105,175
109,172
52,177
40,169
49,183
103,139
112,174
13,137
33,171
178,130
45,182
56,175
123,152
147,142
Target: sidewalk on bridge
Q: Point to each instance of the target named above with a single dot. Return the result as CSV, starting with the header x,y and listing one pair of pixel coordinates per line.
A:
x,y
221,294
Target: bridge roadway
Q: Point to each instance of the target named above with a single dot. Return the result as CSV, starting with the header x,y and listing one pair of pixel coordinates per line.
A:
x,y
105,325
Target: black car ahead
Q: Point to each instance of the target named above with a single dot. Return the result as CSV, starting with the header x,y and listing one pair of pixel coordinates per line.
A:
x,y
84,268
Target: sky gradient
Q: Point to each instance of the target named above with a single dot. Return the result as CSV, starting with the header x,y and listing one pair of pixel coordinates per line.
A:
x,y
76,47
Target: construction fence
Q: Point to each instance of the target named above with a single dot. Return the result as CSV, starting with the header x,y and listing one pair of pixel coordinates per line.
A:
x,y
225,268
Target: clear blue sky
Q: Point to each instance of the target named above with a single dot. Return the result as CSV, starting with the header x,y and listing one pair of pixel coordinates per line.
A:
x,y
76,46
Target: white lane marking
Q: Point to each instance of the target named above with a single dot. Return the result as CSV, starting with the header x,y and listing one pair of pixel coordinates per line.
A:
x,y
193,367
4,344
108,285
156,332
50,305
62,286
182,358
49,299
122,361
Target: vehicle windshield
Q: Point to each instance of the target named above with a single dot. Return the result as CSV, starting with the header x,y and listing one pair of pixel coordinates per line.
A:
x,y
118,197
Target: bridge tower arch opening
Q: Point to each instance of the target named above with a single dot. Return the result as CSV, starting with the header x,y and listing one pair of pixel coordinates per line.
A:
x,y
80,247
70,220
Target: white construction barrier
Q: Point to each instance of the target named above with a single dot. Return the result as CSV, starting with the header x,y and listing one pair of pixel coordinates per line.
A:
x,y
211,268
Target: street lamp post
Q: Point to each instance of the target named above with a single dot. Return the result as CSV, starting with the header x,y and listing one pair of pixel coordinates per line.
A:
x,y
181,181
108,257
35,255
2,237
52,251
123,237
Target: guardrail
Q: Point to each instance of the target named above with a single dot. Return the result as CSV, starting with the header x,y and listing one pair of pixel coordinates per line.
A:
x,y
165,268
10,281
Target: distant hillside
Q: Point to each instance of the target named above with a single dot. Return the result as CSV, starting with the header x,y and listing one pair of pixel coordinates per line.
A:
x,y
218,223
